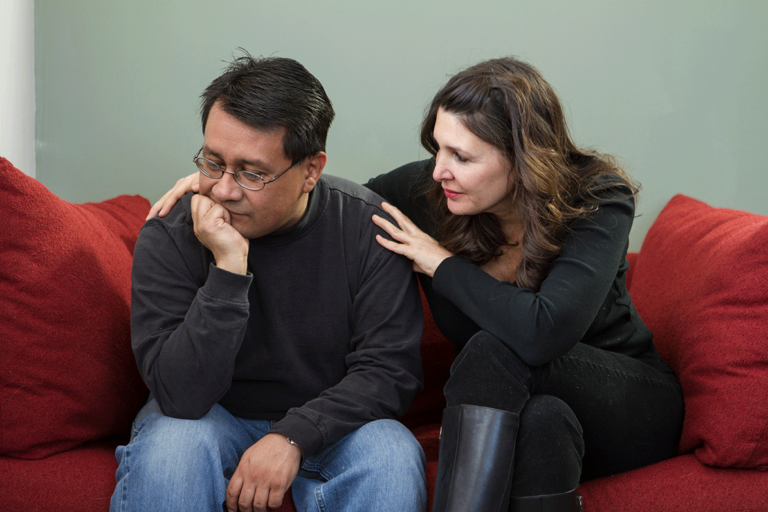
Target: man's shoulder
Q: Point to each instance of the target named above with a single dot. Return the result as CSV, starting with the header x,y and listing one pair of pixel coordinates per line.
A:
x,y
340,188
176,227
179,217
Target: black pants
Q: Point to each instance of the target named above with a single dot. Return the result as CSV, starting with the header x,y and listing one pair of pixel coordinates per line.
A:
x,y
588,414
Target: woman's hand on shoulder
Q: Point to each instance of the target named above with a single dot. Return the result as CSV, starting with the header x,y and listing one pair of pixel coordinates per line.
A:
x,y
410,241
165,203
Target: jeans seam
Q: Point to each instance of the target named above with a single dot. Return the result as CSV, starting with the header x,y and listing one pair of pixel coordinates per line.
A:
x,y
319,467
319,498
124,487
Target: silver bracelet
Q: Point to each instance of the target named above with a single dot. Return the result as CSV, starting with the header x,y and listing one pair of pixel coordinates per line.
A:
x,y
294,443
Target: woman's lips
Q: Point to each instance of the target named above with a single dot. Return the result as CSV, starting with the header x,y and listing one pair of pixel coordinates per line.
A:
x,y
451,194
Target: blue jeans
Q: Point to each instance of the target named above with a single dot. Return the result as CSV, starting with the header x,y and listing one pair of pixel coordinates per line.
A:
x,y
174,464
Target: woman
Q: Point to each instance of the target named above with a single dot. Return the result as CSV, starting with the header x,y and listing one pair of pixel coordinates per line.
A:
x,y
520,240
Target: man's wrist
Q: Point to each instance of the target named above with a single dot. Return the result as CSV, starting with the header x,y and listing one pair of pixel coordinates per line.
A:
x,y
294,443
301,430
236,264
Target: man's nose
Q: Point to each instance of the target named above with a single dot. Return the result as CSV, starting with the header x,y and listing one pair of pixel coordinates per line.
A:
x,y
227,189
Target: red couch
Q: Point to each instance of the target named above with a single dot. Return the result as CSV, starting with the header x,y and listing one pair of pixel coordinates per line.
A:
x,y
69,388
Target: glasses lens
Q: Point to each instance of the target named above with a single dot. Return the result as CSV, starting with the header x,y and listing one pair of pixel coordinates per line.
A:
x,y
249,180
209,168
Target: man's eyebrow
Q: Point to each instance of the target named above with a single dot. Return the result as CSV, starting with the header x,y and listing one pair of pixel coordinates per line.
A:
x,y
259,164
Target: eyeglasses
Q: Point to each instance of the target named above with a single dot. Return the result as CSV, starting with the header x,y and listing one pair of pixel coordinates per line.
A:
x,y
246,179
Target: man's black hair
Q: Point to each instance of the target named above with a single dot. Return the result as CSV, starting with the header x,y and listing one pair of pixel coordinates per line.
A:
x,y
272,93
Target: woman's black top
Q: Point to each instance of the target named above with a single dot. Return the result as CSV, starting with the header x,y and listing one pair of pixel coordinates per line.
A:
x,y
583,297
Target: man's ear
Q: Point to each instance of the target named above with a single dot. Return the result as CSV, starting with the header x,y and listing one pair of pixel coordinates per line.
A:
x,y
314,170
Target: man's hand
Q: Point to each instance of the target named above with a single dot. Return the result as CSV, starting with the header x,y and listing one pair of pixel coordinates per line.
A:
x,y
266,470
213,227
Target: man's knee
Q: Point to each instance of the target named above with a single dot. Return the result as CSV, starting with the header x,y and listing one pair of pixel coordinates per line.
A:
x,y
171,462
380,464
389,445
163,442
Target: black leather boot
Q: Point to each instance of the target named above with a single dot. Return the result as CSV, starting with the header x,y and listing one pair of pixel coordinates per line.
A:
x,y
477,455
564,502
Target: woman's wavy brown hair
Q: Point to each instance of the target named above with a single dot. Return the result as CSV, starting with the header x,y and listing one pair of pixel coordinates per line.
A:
x,y
508,104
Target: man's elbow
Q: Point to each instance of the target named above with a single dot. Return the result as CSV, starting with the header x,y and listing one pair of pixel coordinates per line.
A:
x,y
183,410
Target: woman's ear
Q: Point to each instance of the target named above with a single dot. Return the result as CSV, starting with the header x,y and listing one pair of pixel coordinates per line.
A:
x,y
314,170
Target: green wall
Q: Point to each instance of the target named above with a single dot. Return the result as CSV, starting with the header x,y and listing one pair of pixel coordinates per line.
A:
x,y
676,90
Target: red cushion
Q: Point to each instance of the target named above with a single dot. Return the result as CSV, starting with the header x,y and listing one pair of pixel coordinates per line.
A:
x,y
78,480
67,373
426,413
700,283
682,483
436,359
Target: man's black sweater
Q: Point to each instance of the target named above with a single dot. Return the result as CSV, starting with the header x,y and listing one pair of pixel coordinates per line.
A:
x,y
322,334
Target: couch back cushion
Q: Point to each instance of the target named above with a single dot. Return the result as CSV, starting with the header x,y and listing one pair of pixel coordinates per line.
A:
x,y
436,358
67,371
700,283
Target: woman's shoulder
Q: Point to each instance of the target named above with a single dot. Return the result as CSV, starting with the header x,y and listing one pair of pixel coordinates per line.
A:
x,y
406,188
400,182
608,187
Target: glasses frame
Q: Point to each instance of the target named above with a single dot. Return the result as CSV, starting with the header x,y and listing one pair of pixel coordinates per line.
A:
x,y
235,174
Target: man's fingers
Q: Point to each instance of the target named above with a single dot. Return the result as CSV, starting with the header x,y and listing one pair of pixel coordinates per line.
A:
x,y
199,208
200,205
276,497
260,499
233,492
246,499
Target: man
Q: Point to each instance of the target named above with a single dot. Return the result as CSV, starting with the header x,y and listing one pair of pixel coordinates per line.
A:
x,y
276,336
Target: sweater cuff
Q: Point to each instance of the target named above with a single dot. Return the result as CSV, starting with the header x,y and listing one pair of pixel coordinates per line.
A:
x,y
302,431
226,286
444,277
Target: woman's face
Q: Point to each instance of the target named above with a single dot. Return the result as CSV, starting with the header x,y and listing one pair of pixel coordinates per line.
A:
x,y
476,176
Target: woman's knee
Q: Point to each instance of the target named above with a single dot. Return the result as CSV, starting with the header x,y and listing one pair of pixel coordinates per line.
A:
x,y
550,448
546,420
487,373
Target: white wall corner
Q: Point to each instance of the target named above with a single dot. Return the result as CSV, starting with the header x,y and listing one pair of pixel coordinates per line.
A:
x,y
17,85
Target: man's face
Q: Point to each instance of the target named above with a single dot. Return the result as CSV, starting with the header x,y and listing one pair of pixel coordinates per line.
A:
x,y
236,146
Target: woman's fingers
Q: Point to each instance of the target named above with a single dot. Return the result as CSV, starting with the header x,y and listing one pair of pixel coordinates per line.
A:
x,y
404,222
387,226
170,198
391,245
